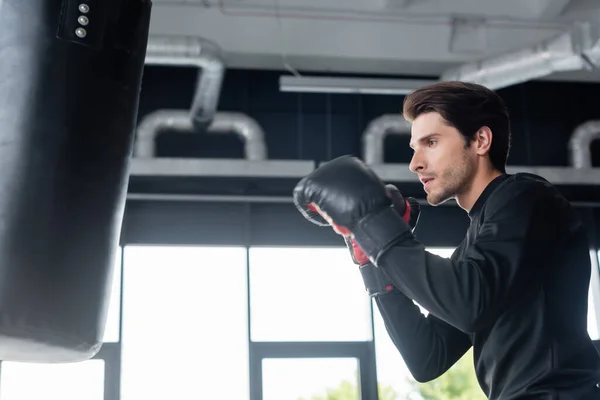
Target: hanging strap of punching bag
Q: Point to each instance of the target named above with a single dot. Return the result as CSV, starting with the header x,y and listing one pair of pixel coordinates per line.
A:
x,y
70,79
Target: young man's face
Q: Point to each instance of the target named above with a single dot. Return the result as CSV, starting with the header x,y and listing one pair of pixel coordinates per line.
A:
x,y
444,164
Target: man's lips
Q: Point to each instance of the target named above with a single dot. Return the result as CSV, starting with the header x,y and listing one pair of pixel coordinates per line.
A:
x,y
426,182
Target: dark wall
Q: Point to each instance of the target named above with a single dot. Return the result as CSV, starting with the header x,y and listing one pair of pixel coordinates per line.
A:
x,y
261,224
320,127
323,126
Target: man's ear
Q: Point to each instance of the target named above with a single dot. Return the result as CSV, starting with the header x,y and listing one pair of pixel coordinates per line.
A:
x,y
483,140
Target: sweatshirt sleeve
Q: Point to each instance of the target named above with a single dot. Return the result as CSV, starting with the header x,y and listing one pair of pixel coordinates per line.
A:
x,y
428,345
469,293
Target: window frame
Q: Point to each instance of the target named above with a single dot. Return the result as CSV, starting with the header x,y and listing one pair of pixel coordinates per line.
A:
x,y
363,352
110,354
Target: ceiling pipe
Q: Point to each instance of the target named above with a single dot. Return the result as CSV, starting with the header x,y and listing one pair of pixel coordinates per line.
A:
x,y
198,52
577,49
202,115
375,133
179,121
580,143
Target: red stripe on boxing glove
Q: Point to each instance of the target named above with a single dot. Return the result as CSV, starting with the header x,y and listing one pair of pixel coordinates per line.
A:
x,y
358,256
318,215
311,212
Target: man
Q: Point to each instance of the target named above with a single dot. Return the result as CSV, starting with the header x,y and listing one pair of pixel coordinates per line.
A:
x,y
515,289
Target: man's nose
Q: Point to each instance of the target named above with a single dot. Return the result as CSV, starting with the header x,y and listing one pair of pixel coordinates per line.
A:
x,y
416,163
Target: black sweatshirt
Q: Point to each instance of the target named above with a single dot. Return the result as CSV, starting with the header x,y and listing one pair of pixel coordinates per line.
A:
x,y
516,289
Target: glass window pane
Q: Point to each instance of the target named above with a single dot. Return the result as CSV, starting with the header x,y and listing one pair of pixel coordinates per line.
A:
x,y
594,297
73,381
111,331
307,294
310,378
184,331
442,251
592,320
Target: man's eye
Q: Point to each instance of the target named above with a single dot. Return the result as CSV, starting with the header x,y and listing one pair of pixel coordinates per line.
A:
x,y
432,142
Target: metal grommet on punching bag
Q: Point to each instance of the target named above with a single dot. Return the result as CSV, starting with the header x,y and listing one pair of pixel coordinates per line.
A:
x,y
69,94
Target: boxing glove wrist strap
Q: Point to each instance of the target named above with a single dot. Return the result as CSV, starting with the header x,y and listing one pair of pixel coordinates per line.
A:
x,y
376,283
377,232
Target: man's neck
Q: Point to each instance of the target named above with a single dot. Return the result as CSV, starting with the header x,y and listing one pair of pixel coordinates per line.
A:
x,y
478,185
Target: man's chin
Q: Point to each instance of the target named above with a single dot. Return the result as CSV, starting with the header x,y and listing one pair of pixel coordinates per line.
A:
x,y
436,200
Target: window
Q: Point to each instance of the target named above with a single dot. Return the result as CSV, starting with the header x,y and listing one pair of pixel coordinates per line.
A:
x,y
185,322
111,330
594,297
307,294
72,381
310,378
592,319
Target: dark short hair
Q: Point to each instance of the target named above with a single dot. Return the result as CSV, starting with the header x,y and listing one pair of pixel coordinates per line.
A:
x,y
467,107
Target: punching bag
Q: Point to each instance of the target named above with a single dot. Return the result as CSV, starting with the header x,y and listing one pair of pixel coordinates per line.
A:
x,y
70,77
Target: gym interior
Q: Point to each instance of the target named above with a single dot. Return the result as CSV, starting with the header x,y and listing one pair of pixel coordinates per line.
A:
x,y
221,290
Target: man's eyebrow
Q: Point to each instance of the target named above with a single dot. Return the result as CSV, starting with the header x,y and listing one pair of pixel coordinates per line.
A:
x,y
424,139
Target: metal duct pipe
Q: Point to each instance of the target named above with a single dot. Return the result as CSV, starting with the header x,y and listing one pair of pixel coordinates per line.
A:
x,y
374,136
580,142
574,50
178,120
193,51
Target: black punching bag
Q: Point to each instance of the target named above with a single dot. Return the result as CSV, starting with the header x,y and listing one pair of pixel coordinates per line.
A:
x,y
70,77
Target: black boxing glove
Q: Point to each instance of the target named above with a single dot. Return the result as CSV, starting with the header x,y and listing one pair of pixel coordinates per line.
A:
x,y
350,197
342,191
375,281
409,209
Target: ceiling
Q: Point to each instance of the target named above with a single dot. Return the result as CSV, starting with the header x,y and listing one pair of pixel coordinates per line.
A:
x,y
391,37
